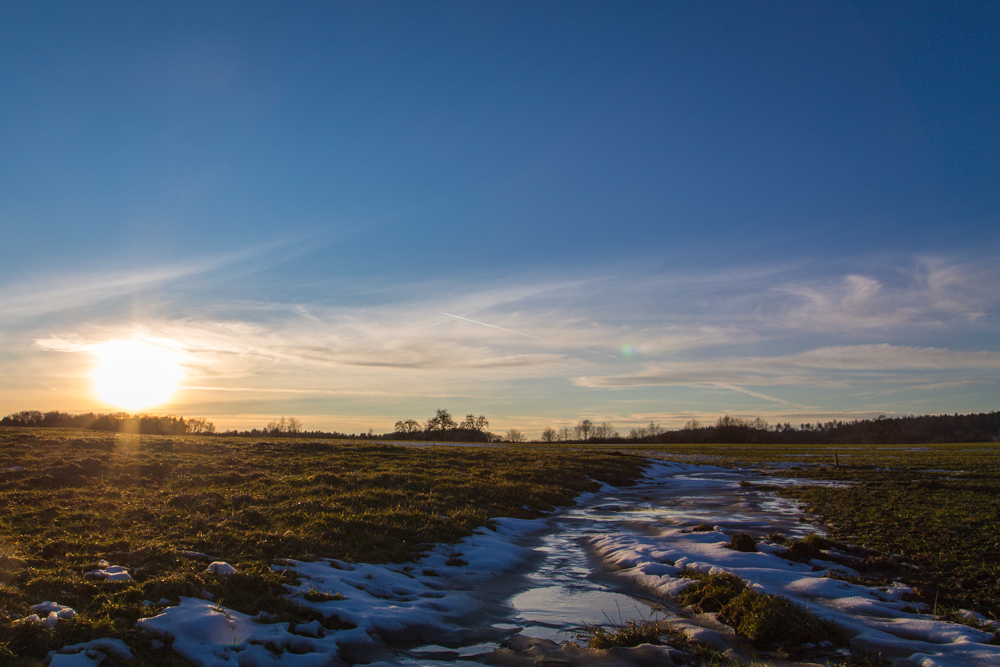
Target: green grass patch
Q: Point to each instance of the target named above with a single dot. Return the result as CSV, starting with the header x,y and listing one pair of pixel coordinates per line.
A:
x,y
773,621
712,592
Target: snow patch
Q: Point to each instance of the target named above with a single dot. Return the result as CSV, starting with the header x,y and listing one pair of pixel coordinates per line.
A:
x,y
419,601
89,653
220,568
109,573
54,611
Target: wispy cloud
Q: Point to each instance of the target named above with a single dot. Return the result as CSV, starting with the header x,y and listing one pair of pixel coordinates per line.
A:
x,y
929,293
830,366
82,291
711,332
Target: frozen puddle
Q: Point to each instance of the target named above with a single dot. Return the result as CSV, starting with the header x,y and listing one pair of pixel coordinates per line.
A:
x,y
611,557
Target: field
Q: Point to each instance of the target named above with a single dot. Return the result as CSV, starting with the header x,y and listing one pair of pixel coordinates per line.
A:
x,y
70,498
78,497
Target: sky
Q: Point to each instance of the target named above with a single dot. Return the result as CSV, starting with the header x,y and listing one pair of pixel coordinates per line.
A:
x,y
360,212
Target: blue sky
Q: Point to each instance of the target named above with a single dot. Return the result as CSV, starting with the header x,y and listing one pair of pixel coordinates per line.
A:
x,y
542,212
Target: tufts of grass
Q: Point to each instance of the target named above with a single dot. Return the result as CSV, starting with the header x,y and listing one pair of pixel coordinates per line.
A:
x,y
744,542
712,592
766,620
628,634
312,595
771,620
702,528
776,537
801,551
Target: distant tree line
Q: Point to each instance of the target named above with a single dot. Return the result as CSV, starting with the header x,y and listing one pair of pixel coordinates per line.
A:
x,y
285,427
117,422
442,427
979,427
586,431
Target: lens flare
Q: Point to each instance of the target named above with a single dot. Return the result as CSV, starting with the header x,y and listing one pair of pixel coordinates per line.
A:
x,y
135,374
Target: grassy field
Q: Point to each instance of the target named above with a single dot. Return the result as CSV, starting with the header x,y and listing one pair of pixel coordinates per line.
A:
x,y
77,497
69,499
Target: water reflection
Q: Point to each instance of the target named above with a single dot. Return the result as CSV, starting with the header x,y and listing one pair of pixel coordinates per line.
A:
x,y
566,586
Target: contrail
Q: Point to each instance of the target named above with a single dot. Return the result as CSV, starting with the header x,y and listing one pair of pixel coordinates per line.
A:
x,y
493,326
742,390
518,333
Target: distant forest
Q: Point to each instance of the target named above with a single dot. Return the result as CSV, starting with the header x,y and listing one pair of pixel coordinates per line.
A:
x,y
882,430
979,427
117,422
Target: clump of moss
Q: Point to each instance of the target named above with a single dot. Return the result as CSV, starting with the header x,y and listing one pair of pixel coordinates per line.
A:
x,y
771,620
702,528
801,551
712,592
743,542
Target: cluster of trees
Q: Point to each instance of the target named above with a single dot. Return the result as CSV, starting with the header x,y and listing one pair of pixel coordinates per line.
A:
x,y
117,422
585,431
286,426
442,426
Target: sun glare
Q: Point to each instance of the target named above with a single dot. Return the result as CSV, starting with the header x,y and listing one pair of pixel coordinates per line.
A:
x,y
134,374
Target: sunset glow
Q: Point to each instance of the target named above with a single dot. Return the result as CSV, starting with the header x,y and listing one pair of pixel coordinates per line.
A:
x,y
134,374
633,213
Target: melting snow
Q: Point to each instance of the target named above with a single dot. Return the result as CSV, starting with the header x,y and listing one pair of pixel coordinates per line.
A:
x,y
54,611
89,654
417,602
109,573
877,619
220,568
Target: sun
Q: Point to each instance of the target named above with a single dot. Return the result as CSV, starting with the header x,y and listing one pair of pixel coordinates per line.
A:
x,y
135,374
